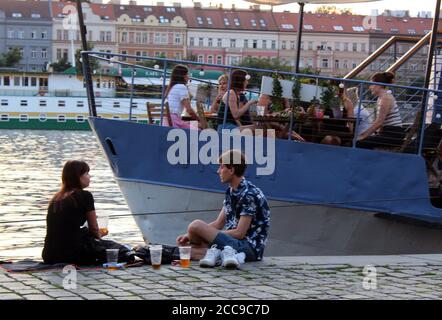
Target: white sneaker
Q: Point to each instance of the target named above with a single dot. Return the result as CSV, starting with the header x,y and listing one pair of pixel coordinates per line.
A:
x,y
231,259
212,258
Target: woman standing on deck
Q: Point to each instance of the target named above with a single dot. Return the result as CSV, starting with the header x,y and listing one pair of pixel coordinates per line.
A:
x,y
66,241
388,123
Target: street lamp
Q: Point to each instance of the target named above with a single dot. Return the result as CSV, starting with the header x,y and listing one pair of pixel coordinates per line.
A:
x,y
302,3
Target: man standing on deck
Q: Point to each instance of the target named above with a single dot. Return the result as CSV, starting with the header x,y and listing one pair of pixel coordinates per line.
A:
x,y
240,232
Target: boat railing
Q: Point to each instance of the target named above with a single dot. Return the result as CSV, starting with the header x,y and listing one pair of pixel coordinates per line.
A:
x,y
309,91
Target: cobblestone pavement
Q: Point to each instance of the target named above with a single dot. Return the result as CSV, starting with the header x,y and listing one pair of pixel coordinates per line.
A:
x,y
388,277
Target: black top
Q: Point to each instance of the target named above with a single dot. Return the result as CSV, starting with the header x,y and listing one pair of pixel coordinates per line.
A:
x,y
64,236
245,119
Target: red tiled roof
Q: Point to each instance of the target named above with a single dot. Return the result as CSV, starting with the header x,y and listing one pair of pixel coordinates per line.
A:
x,y
102,10
26,8
247,19
132,11
331,23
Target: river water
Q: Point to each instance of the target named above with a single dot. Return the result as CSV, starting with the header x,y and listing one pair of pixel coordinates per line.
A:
x,y
30,173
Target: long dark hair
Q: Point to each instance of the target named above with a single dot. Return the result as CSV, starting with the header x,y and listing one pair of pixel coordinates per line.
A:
x,y
383,77
178,76
70,178
238,79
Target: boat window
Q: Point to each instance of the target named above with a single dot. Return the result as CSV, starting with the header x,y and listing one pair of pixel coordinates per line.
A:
x,y
134,105
23,118
135,119
62,103
43,103
5,102
116,117
98,104
80,104
23,103
116,104
4,117
80,119
61,118
43,117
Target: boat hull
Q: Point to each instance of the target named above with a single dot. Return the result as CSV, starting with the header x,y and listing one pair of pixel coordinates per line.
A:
x,y
164,212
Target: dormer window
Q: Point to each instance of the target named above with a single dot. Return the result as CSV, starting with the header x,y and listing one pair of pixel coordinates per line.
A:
x,y
209,21
394,30
287,26
308,27
170,9
338,28
35,16
16,15
199,20
122,8
411,31
262,23
358,29
236,20
164,20
226,22
147,9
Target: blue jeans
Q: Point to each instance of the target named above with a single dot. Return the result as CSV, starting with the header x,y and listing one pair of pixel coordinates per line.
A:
x,y
222,240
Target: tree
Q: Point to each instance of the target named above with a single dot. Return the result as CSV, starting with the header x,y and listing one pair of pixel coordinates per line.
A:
x,y
11,58
61,65
277,100
332,10
262,63
93,63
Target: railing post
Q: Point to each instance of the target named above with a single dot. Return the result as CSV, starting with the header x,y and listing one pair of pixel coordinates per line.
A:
x,y
292,115
131,93
228,97
358,115
163,90
424,118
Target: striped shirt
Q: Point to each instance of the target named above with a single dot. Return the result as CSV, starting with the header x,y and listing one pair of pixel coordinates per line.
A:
x,y
393,118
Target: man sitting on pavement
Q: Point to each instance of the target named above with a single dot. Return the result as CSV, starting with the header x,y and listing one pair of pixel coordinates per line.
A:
x,y
240,232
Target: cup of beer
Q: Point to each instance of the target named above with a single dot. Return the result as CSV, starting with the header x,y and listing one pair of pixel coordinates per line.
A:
x,y
185,256
112,258
260,110
155,256
103,222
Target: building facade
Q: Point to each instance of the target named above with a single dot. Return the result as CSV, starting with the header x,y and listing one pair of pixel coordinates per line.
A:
x,y
27,25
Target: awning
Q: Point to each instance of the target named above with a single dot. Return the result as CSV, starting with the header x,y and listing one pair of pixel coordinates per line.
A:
x,y
145,81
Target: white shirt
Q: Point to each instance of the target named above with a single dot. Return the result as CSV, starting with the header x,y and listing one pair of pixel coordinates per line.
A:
x,y
177,94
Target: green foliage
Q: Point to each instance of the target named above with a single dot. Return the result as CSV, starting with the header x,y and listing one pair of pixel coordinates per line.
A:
x,y
61,65
329,98
277,100
261,63
10,58
93,63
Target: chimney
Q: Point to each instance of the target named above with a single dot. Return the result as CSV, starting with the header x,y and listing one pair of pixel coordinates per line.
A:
x,y
233,6
114,2
133,2
177,4
160,4
256,7
197,5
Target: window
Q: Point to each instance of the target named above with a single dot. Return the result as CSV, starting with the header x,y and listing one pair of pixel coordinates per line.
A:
x,y
210,59
178,38
124,37
35,16
394,30
292,45
284,45
210,42
209,21
25,82
44,35
98,104
355,47
61,118
34,54
345,46
226,22
246,43
219,60
23,103
345,64
236,20
6,81
287,26
80,119
44,53
147,9
201,58
201,42
354,64
358,29
337,46
145,37
59,34
134,105
61,103
262,23
138,54
116,104
264,44
363,47
116,117
4,102
80,104
16,15
192,42
232,43
43,117
4,117
10,34
199,20
274,44
324,63
17,81
33,35
255,44
220,43
137,19
253,22
164,20
308,27
102,36
42,103
336,64
310,45
171,9
23,118
338,28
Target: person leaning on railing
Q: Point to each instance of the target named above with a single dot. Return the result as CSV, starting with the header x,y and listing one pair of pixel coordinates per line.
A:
x,y
386,130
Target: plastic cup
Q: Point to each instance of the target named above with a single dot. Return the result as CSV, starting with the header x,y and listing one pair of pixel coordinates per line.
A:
x,y
320,114
155,256
103,222
185,256
260,110
112,258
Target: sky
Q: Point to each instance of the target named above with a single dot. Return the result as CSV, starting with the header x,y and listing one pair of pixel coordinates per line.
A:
x,y
363,8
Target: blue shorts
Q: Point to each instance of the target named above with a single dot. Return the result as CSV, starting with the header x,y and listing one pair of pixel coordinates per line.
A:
x,y
222,240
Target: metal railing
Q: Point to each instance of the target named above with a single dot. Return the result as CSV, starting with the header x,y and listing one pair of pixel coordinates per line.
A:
x,y
410,94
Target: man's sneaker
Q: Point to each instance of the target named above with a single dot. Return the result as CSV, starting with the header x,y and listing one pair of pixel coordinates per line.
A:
x,y
212,258
231,259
